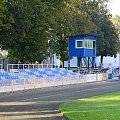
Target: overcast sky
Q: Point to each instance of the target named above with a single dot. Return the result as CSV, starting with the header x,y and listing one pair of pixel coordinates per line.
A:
x,y
114,7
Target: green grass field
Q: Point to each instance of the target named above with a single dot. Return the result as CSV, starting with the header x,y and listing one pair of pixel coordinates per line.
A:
x,y
103,107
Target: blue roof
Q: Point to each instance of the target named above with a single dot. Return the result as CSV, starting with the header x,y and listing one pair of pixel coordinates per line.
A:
x,y
88,34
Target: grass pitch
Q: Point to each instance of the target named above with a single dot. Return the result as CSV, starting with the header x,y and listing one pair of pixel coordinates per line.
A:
x,y
102,107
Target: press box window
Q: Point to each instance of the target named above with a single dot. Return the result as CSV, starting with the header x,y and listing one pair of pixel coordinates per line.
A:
x,y
88,44
79,44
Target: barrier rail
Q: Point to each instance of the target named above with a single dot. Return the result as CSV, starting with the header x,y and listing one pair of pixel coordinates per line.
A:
x,y
33,82
1,66
28,66
32,76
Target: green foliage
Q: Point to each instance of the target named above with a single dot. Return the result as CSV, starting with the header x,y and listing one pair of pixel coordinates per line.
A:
x,y
106,33
34,29
27,38
1,12
2,15
71,20
116,22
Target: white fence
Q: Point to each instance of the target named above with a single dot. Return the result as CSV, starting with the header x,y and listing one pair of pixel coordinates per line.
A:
x,y
1,66
32,76
48,81
28,66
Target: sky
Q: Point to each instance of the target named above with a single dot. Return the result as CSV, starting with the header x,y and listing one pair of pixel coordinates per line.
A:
x,y
114,7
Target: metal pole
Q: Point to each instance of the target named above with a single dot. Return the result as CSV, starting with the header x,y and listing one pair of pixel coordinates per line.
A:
x,y
88,64
24,84
12,85
12,66
53,43
34,66
7,67
53,60
119,65
68,63
18,66
53,48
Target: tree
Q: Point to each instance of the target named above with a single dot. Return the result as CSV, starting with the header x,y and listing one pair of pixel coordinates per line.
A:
x,y
29,22
2,15
27,38
71,20
106,32
116,22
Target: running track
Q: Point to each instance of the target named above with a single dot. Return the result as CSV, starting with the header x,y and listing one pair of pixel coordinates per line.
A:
x,y
42,104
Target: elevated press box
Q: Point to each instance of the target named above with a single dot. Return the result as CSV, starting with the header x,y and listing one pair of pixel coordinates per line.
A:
x,y
82,45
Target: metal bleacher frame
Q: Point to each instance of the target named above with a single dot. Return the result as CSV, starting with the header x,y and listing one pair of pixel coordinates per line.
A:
x,y
1,66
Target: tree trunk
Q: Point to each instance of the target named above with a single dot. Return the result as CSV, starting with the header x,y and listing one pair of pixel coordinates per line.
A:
x,y
101,61
63,63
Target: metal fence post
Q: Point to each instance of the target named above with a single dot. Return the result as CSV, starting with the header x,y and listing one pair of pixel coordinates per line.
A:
x,y
84,77
62,80
96,76
35,83
45,83
24,84
12,86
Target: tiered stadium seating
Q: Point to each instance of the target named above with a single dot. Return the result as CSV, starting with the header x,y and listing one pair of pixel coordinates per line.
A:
x,y
48,74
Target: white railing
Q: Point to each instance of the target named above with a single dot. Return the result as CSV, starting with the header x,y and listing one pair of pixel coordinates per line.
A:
x,y
31,82
29,66
1,66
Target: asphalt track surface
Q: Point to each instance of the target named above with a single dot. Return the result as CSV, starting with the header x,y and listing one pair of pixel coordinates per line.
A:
x,y
43,104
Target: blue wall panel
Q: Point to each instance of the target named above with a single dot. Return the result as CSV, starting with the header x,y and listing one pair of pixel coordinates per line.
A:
x,y
89,52
81,52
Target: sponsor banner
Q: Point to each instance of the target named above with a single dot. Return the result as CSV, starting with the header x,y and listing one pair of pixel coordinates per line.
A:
x,y
91,77
99,77
105,76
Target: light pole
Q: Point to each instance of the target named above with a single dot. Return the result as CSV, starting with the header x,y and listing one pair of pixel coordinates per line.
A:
x,y
53,44
119,65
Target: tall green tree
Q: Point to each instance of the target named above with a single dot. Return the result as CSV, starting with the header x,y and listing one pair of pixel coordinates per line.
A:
x,y
35,22
71,20
2,15
106,33
2,3
27,39
116,22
